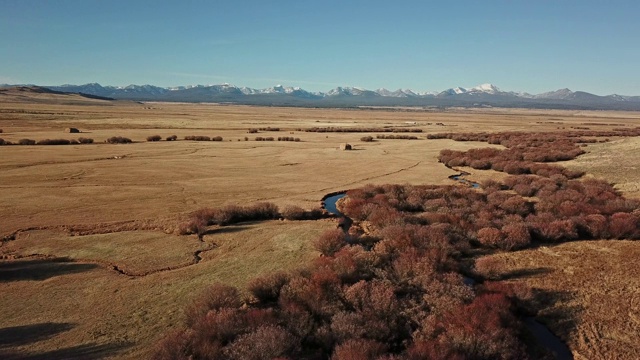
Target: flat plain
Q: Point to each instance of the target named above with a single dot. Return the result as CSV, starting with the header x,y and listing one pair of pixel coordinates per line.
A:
x,y
92,265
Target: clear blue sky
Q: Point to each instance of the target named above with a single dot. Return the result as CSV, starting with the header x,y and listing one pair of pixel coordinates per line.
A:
x,y
532,45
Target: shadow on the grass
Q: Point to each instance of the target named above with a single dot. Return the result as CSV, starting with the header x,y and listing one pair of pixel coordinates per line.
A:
x,y
27,334
40,269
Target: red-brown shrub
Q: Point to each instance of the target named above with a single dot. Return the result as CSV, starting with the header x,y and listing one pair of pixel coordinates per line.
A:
x,y
215,297
516,205
172,138
516,236
359,349
267,288
316,295
83,140
217,138
213,330
484,329
382,216
623,226
489,267
366,138
490,236
293,212
330,242
176,345
154,138
595,226
266,342
353,263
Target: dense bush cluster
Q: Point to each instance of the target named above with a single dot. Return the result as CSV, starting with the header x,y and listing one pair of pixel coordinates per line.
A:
x,y
399,137
293,212
511,139
200,138
268,138
402,297
154,138
197,138
199,220
288,138
361,130
397,291
26,142
366,138
49,141
269,128
56,142
118,140
525,153
172,138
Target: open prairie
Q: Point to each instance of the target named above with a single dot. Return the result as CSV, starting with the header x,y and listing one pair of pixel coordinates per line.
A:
x,y
92,265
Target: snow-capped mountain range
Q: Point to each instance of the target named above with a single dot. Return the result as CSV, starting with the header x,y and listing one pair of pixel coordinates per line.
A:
x,y
479,96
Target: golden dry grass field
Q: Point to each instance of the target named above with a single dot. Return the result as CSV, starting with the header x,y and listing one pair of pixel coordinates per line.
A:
x,y
115,287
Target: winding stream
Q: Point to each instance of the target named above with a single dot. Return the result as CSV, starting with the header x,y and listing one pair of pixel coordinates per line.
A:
x,y
329,203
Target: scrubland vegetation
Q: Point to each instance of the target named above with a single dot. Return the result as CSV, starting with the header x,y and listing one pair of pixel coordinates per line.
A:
x,y
397,288
397,137
361,130
199,221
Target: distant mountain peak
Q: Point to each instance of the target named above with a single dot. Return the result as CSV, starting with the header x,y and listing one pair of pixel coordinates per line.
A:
x,y
486,88
486,94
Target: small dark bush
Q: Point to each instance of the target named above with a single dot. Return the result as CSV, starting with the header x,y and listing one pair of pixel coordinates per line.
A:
x,y
0,131
85,140
53,142
2,142
118,140
216,138
366,138
154,138
172,138
26,142
252,131
197,138
260,138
